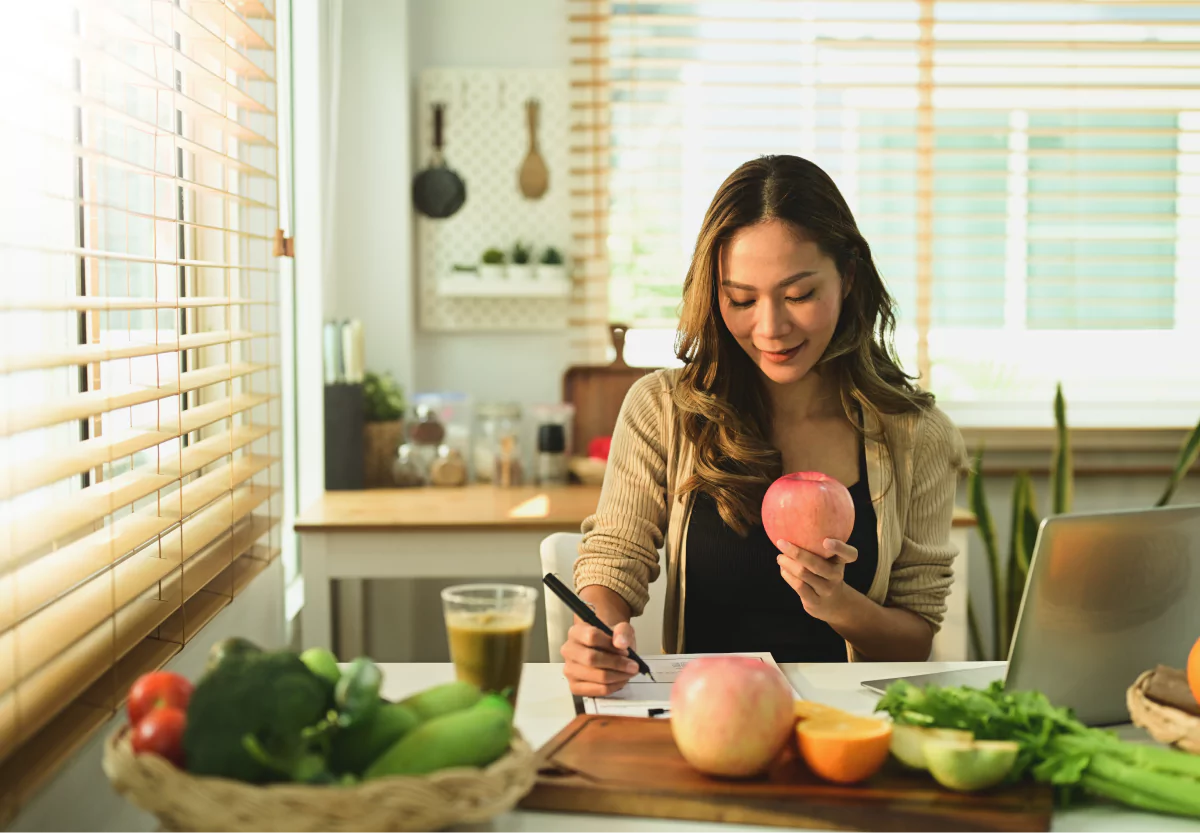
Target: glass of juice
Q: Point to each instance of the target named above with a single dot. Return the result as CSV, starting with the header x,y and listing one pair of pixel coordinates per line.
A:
x,y
488,626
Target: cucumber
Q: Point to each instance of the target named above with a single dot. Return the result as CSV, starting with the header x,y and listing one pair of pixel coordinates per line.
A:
x,y
356,748
443,699
473,737
356,694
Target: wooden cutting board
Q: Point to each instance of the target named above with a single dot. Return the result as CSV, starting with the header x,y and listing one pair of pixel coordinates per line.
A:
x,y
597,392
630,766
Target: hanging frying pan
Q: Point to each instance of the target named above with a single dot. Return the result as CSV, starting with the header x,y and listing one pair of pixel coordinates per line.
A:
x,y
438,191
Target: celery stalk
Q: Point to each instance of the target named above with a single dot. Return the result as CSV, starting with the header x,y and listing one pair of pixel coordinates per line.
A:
x,y
1180,792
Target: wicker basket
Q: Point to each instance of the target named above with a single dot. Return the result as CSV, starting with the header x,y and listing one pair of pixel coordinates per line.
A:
x,y
181,801
1164,723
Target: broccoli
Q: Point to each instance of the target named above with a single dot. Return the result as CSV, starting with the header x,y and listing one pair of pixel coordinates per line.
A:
x,y
271,697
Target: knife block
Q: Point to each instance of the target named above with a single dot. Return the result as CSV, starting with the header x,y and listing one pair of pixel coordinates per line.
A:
x,y
345,415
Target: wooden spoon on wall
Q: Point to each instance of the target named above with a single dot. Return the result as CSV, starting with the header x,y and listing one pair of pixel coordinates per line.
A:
x,y
534,178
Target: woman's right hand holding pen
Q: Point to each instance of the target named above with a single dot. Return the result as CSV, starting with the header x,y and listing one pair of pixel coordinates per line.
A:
x,y
597,664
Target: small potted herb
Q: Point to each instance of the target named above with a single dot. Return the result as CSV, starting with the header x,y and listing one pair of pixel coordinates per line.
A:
x,y
491,266
384,407
551,267
519,267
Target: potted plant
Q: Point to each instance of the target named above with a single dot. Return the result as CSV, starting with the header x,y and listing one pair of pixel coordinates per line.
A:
x,y
383,432
551,267
492,265
519,267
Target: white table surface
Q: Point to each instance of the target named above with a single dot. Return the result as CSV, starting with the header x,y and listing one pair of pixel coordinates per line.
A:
x,y
544,707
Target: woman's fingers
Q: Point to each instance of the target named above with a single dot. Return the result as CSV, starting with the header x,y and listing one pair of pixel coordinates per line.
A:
x,y
594,667
808,595
828,569
575,654
584,634
623,637
840,549
586,689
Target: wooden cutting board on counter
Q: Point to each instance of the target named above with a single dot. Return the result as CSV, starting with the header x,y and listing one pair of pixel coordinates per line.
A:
x,y
630,766
597,392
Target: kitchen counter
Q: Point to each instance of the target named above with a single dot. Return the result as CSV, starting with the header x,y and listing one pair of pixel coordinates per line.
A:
x,y
479,506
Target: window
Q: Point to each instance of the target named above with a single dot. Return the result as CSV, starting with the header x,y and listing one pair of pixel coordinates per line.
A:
x,y
139,444
1027,173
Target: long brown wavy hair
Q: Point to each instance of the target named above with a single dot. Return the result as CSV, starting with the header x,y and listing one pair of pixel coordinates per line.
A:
x,y
721,395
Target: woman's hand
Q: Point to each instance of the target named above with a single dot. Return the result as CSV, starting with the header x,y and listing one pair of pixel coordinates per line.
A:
x,y
818,579
597,665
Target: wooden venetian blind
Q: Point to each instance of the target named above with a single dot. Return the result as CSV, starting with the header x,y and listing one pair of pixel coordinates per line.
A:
x,y
139,429
1027,173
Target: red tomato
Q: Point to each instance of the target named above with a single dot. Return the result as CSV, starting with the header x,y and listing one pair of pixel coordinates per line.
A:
x,y
158,688
161,732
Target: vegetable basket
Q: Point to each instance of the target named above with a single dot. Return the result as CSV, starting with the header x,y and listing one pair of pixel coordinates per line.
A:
x,y
1165,724
181,801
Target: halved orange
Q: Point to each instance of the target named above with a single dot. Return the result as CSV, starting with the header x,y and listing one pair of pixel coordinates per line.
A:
x,y
844,750
812,710
1193,670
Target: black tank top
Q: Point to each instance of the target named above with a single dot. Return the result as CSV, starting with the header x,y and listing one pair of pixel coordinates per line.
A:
x,y
736,599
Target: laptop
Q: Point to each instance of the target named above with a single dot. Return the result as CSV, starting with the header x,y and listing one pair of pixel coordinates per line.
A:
x,y
1109,595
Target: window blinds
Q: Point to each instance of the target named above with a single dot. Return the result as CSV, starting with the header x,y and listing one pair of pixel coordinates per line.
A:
x,y
1028,174
139,438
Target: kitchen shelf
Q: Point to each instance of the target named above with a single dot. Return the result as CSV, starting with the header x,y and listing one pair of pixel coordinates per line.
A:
x,y
472,286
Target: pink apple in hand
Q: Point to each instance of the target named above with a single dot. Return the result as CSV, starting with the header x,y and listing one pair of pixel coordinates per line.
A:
x,y
807,507
730,716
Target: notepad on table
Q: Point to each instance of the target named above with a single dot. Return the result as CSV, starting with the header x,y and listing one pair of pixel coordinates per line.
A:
x,y
643,697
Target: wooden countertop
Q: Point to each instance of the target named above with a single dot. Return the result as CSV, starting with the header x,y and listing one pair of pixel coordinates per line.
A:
x,y
475,507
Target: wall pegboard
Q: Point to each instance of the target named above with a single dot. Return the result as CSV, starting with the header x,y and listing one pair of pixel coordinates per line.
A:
x,y
486,140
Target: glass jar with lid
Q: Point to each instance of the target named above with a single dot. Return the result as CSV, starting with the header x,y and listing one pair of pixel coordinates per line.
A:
x,y
498,428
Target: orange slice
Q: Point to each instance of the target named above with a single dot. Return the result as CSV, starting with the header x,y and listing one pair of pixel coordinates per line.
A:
x,y
812,710
844,750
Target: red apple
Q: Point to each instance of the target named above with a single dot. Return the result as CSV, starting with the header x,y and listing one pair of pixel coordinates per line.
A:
x,y
807,507
731,716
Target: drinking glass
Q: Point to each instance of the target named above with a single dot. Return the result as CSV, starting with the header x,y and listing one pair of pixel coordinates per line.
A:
x,y
488,627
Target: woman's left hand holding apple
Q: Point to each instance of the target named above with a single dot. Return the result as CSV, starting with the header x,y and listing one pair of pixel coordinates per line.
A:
x,y
818,579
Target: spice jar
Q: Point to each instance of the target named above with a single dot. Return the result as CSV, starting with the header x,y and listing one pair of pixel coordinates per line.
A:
x,y
493,422
508,471
449,469
407,471
428,429
552,454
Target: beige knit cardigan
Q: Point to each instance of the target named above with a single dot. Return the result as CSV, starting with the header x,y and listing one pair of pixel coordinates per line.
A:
x,y
640,511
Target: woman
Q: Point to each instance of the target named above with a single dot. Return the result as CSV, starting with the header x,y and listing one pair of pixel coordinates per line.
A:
x,y
785,336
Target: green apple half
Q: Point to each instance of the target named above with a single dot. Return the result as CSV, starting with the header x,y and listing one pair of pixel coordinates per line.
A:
x,y
970,765
908,742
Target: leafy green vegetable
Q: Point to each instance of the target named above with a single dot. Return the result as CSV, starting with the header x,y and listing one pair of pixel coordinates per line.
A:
x,y
1055,747
271,697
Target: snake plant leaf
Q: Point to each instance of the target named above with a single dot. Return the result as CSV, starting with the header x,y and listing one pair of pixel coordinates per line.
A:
x,y
1024,531
1187,459
1062,472
976,633
987,531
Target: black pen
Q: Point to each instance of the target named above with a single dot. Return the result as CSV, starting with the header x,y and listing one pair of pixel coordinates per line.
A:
x,y
580,608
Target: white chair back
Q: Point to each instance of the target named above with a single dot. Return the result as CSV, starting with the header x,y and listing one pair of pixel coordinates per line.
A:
x,y
559,552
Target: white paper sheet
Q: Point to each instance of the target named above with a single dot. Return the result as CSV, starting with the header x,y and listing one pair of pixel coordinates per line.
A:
x,y
643,697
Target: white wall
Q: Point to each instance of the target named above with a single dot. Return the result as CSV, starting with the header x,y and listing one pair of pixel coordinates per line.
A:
x,y
526,368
